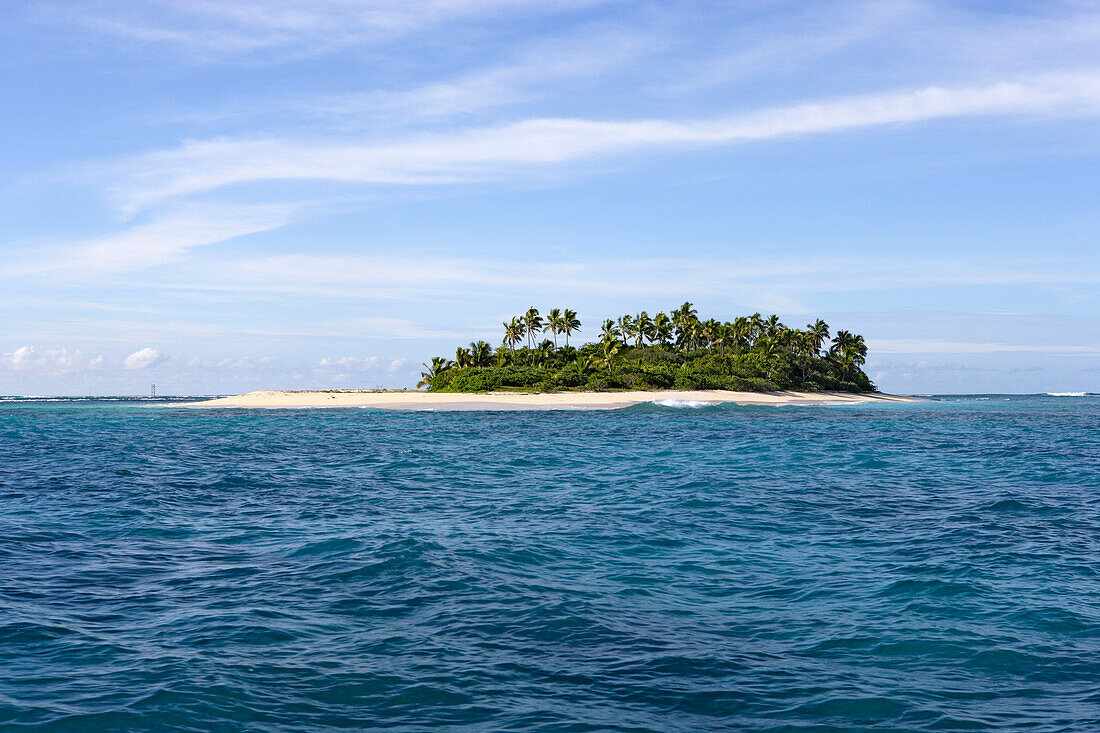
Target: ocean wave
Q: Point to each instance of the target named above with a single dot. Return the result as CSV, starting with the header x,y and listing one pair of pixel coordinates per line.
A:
x,y
1067,394
694,404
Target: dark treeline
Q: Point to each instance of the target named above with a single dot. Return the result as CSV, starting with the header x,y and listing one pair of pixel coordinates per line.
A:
x,y
673,350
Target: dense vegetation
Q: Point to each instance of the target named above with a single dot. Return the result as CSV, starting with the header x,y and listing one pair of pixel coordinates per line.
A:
x,y
676,350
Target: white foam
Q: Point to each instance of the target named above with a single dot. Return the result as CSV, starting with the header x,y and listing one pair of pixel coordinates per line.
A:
x,y
1067,394
683,403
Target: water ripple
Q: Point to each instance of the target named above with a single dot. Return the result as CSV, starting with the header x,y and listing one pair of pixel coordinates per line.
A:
x,y
932,566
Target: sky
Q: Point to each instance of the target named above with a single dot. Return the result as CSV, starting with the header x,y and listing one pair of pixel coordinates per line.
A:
x,y
226,196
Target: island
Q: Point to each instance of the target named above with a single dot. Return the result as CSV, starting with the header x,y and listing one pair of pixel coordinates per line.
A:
x,y
675,350
672,359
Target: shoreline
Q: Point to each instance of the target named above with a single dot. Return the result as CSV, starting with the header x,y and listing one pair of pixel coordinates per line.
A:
x,y
414,400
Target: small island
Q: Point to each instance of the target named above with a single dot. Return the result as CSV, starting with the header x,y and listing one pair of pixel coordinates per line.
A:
x,y
673,359
666,351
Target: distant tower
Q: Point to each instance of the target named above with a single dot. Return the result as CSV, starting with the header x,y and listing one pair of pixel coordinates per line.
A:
x,y
152,390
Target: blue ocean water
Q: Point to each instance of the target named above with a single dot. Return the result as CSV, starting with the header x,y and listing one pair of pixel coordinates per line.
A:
x,y
927,566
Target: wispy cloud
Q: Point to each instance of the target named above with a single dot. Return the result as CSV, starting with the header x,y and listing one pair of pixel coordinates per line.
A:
x,y
220,28
163,239
813,31
523,80
785,285
492,152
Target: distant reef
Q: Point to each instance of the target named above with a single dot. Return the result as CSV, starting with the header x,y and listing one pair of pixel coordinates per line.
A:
x,y
675,350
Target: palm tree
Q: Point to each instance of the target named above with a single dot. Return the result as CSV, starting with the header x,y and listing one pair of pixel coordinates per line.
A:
x,y
850,350
609,331
437,367
819,332
768,346
685,312
772,325
569,324
513,333
662,328
626,327
643,328
742,331
841,342
691,334
608,349
756,328
711,332
481,354
554,322
683,319
463,358
724,338
532,322
545,349
582,367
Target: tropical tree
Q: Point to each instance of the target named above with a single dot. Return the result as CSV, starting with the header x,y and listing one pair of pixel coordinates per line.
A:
x,y
544,350
741,331
513,333
626,328
481,354
606,353
581,367
685,322
463,359
569,324
436,368
711,332
662,328
554,323
643,328
532,323
850,350
756,328
609,331
819,332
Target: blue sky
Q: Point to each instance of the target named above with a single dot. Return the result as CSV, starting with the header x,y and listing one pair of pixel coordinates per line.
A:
x,y
219,196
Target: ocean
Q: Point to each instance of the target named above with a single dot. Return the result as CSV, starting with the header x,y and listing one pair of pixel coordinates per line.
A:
x,y
921,566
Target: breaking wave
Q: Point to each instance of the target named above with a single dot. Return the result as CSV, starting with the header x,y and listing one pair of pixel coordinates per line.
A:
x,y
684,403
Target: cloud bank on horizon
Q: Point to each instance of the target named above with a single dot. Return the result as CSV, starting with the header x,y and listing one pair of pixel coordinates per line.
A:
x,y
228,196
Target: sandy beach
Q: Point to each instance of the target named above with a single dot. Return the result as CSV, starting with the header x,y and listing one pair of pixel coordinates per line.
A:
x,y
412,400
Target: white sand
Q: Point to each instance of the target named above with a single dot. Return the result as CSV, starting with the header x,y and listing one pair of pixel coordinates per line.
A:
x,y
410,400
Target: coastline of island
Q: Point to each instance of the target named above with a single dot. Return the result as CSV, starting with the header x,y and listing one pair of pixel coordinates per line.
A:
x,y
417,400
673,359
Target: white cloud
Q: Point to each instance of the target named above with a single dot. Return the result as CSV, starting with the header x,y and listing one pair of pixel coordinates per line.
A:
x,y
143,359
349,363
50,361
396,364
487,153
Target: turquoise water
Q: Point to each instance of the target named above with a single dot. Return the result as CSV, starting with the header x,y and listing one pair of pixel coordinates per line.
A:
x,y
930,566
